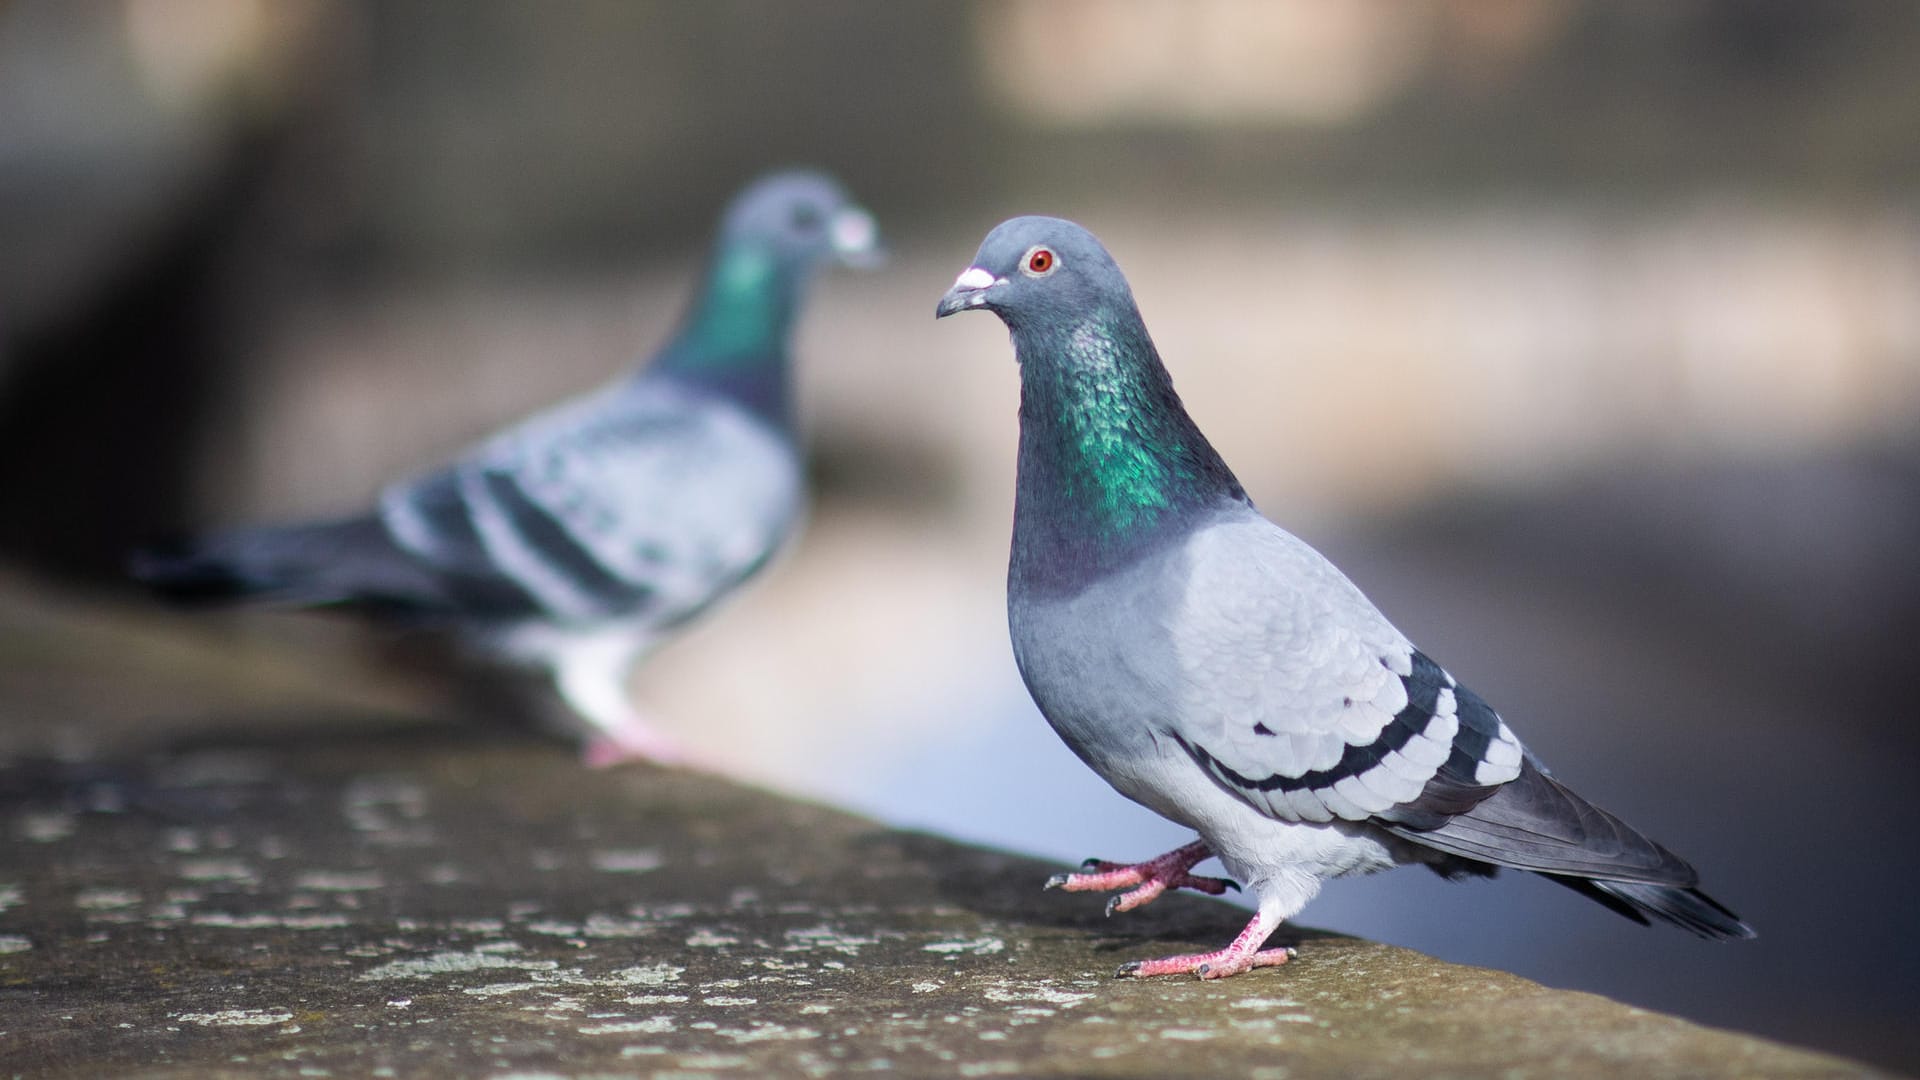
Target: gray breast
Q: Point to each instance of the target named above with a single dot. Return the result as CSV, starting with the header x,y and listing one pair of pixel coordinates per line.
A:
x,y
1099,664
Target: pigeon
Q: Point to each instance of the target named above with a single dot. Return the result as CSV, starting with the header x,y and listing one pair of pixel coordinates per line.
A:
x,y
575,541
1217,670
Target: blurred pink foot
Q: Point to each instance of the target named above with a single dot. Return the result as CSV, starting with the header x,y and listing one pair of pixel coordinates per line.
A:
x,y
1244,954
633,742
1147,879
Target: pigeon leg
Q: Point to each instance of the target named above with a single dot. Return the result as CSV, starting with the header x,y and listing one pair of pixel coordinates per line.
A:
x,y
1244,954
591,675
1146,880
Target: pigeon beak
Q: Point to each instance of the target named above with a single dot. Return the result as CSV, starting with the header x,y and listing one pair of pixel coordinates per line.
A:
x,y
969,291
856,239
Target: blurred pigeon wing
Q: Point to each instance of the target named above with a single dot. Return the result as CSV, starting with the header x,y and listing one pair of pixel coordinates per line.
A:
x,y
1301,699
646,499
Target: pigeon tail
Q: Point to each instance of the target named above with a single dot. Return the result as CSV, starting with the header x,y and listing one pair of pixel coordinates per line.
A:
x,y
289,566
1689,909
1537,823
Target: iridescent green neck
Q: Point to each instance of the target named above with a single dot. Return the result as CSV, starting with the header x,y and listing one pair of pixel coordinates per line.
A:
x,y
742,314
734,340
1113,463
1108,456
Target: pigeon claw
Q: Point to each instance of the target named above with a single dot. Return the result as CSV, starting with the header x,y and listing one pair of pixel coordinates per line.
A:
x,y
1140,897
630,738
1209,966
1244,954
1212,886
1143,881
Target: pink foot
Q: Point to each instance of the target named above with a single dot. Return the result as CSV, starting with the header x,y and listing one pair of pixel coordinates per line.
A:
x,y
1147,879
1244,954
632,745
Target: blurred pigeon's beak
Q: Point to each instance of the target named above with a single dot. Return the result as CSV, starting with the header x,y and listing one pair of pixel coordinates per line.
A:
x,y
856,239
969,291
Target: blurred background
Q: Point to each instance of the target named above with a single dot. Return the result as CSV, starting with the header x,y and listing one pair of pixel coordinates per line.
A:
x,y
1584,336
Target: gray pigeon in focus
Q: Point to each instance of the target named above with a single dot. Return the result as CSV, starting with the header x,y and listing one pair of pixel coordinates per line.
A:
x,y
576,540
1220,672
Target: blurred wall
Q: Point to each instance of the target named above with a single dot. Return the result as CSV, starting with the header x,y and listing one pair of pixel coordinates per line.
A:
x,y
1632,219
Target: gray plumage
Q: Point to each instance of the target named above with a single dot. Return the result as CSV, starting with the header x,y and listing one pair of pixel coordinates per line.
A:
x,y
577,539
1216,669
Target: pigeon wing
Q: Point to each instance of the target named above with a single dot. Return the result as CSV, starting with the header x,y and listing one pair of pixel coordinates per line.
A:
x,y
1301,699
644,500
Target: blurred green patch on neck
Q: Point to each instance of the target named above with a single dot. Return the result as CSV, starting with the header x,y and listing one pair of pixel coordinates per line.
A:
x,y
743,311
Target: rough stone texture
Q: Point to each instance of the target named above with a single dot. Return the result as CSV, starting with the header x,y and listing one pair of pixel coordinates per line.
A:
x,y
333,894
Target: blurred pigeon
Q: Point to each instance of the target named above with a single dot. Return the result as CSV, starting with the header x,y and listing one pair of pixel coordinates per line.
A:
x,y
578,539
1217,670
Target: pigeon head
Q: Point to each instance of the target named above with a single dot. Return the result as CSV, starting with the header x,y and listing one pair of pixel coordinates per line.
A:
x,y
1110,464
798,218
1038,271
774,236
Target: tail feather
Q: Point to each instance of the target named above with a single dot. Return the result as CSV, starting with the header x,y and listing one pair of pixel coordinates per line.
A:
x,y
1689,909
1536,823
200,571
351,561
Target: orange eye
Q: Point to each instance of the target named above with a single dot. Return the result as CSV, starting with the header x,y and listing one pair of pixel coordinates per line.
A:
x,y
1040,261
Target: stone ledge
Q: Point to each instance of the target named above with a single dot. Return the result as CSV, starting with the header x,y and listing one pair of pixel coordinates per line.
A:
x,y
431,900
